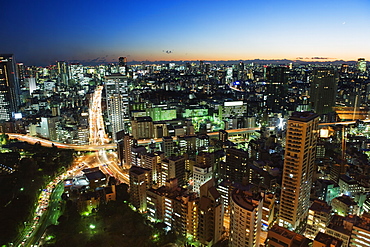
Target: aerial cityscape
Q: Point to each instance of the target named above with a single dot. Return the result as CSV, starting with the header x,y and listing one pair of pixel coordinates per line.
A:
x,y
195,124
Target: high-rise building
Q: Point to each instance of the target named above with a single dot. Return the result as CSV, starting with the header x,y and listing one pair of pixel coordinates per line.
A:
x,y
361,65
142,128
62,72
128,143
276,89
245,218
300,154
153,162
201,174
174,167
168,146
211,214
116,87
323,90
140,181
236,165
175,207
9,87
122,65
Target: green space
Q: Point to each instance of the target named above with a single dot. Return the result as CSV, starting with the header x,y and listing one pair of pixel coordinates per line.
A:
x,y
114,224
33,168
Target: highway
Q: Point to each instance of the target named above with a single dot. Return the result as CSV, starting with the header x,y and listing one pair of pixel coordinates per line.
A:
x,y
109,146
50,216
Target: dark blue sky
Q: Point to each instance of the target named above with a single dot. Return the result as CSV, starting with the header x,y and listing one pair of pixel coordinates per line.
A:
x,y
41,32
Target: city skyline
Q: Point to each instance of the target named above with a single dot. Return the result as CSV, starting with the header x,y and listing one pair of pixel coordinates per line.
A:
x,y
43,32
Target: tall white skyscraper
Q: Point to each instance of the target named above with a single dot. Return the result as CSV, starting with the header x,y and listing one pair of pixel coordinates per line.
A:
x,y
116,87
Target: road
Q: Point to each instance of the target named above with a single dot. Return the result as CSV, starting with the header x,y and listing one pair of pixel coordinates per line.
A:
x,y
50,217
106,146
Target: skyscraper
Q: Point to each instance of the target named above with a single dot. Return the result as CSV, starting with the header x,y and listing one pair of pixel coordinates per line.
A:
x,y
9,87
62,71
117,97
361,65
276,89
323,90
122,65
300,154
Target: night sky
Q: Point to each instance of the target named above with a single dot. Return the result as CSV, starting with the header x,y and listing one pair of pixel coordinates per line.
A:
x,y
41,32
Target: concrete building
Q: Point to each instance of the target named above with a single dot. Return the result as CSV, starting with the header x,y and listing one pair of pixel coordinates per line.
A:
x,y
345,205
167,146
201,174
299,162
116,87
279,236
325,240
175,207
210,214
236,165
140,181
153,162
340,228
318,218
323,91
245,218
173,167
142,128
361,232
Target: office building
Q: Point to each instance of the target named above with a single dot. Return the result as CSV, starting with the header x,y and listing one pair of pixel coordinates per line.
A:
x,y
62,72
201,174
173,167
276,89
300,151
236,166
323,90
153,162
116,87
142,128
9,87
122,66
167,146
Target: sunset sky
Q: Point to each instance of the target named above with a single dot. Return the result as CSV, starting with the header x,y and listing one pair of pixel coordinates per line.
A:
x,y
40,32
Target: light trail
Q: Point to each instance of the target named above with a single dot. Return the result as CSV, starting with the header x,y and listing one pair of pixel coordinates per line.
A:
x,y
96,121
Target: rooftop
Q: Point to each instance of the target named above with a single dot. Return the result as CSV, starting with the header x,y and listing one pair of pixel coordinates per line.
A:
x,y
246,199
303,116
328,240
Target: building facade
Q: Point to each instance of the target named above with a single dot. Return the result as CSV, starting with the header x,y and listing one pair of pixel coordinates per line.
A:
x,y
300,151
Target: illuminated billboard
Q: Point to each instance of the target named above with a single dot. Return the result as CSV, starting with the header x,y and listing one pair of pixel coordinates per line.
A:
x,y
233,103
